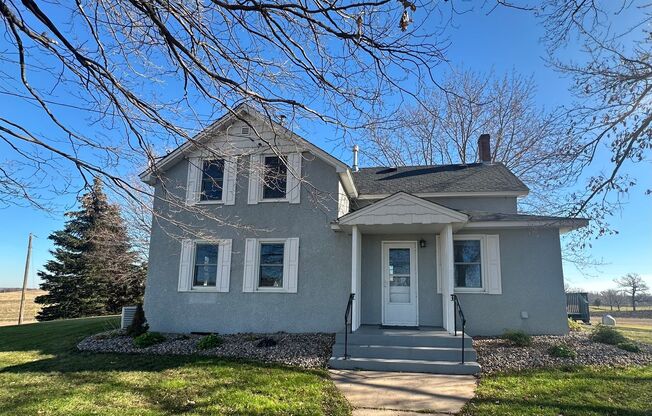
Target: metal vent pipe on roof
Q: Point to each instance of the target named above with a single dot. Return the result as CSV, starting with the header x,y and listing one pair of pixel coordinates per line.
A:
x,y
355,157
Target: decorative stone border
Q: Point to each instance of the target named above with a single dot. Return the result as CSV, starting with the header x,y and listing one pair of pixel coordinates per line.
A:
x,y
497,355
311,350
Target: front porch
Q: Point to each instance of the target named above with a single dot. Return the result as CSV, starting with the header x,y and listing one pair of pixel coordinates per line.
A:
x,y
402,262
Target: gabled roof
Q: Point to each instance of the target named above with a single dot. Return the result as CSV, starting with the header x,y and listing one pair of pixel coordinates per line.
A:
x,y
239,113
403,208
476,178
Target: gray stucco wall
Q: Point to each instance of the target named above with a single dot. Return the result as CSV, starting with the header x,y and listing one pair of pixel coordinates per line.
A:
x,y
532,281
531,275
506,205
324,263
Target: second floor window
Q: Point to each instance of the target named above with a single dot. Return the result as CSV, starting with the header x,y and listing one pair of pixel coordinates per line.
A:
x,y
212,180
274,178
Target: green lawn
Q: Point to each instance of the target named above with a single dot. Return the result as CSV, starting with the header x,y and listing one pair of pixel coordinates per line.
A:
x,y
635,328
581,392
41,373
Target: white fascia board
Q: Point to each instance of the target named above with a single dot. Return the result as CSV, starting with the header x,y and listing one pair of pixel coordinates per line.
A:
x,y
348,184
565,224
451,194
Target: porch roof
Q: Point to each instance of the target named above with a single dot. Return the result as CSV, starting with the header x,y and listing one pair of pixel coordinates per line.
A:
x,y
403,209
403,212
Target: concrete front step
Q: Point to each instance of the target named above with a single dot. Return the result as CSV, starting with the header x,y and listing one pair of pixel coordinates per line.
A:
x,y
443,340
405,352
415,366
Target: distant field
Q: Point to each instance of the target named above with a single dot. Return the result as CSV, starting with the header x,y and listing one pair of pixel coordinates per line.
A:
x,y
600,309
10,304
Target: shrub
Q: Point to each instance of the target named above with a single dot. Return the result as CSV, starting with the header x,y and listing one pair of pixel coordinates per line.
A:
x,y
138,325
518,338
574,326
210,341
607,335
562,351
629,346
266,342
148,339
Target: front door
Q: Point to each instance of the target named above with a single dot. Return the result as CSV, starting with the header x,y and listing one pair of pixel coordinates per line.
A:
x,y
400,303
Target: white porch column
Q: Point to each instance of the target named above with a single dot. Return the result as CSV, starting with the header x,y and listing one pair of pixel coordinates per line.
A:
x,y
448,273
356,275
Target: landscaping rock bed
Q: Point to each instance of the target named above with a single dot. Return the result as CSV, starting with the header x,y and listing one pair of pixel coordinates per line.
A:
x,y
302,350
497,355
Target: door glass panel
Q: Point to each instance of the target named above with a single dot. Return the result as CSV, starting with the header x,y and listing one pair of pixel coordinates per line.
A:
x,y
399,275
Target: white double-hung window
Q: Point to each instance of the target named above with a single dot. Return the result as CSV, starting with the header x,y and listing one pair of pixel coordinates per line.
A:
x,y
275,178
211,180
271,265
205,265
476,264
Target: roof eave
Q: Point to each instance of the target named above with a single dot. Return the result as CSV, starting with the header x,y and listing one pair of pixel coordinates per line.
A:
x,y
519,193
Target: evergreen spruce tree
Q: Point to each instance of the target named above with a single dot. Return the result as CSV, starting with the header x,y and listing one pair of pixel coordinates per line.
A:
x,y
95,271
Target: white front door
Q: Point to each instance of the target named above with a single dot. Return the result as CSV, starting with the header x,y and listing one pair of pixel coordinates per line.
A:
x,y
400,303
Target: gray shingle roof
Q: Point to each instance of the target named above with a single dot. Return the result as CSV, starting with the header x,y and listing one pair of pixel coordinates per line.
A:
x,y
481,216
475,177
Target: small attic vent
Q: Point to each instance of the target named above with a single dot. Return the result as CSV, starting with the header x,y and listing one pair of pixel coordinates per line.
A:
x,y
245,130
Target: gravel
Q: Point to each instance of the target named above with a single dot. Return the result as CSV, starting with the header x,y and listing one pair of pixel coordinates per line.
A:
x,y
310,350
497,355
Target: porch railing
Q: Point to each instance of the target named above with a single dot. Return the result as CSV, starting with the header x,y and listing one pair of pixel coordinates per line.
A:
x,y
348,323
458,313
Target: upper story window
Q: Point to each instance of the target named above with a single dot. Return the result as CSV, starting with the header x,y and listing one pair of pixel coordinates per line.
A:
x,y
468,263
212,180
274,178
205,265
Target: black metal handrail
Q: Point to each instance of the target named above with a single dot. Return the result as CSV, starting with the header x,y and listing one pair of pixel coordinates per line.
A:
x,y
458,312
348,323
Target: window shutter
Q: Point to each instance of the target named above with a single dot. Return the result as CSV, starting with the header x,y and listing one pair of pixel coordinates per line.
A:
x,y
255,172
492,264
230,173
185,266
224,267
438,259
194,177
248,280
294,178
292,263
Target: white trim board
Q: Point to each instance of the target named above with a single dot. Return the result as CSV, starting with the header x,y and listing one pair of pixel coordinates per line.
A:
x,y
451,194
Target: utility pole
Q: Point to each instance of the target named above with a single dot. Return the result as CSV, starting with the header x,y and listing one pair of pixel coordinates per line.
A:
x,y
22,296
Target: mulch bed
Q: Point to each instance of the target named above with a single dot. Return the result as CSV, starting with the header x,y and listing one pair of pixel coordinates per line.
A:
x,y
302,350
498,355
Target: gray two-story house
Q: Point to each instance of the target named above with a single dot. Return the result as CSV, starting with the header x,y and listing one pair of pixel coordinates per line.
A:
x,y
258,230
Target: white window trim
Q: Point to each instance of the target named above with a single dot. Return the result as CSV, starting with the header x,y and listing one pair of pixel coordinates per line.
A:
x,y
292,179
261,183
290,267
483,262
259,242
228,180
223,261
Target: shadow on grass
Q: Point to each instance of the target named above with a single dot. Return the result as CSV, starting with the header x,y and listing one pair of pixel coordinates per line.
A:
x,y
58,379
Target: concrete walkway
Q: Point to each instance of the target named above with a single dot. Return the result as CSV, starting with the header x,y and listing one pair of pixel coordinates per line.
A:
x,y
378,393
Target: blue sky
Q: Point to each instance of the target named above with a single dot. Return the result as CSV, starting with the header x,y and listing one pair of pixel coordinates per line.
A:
x,y
504,41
